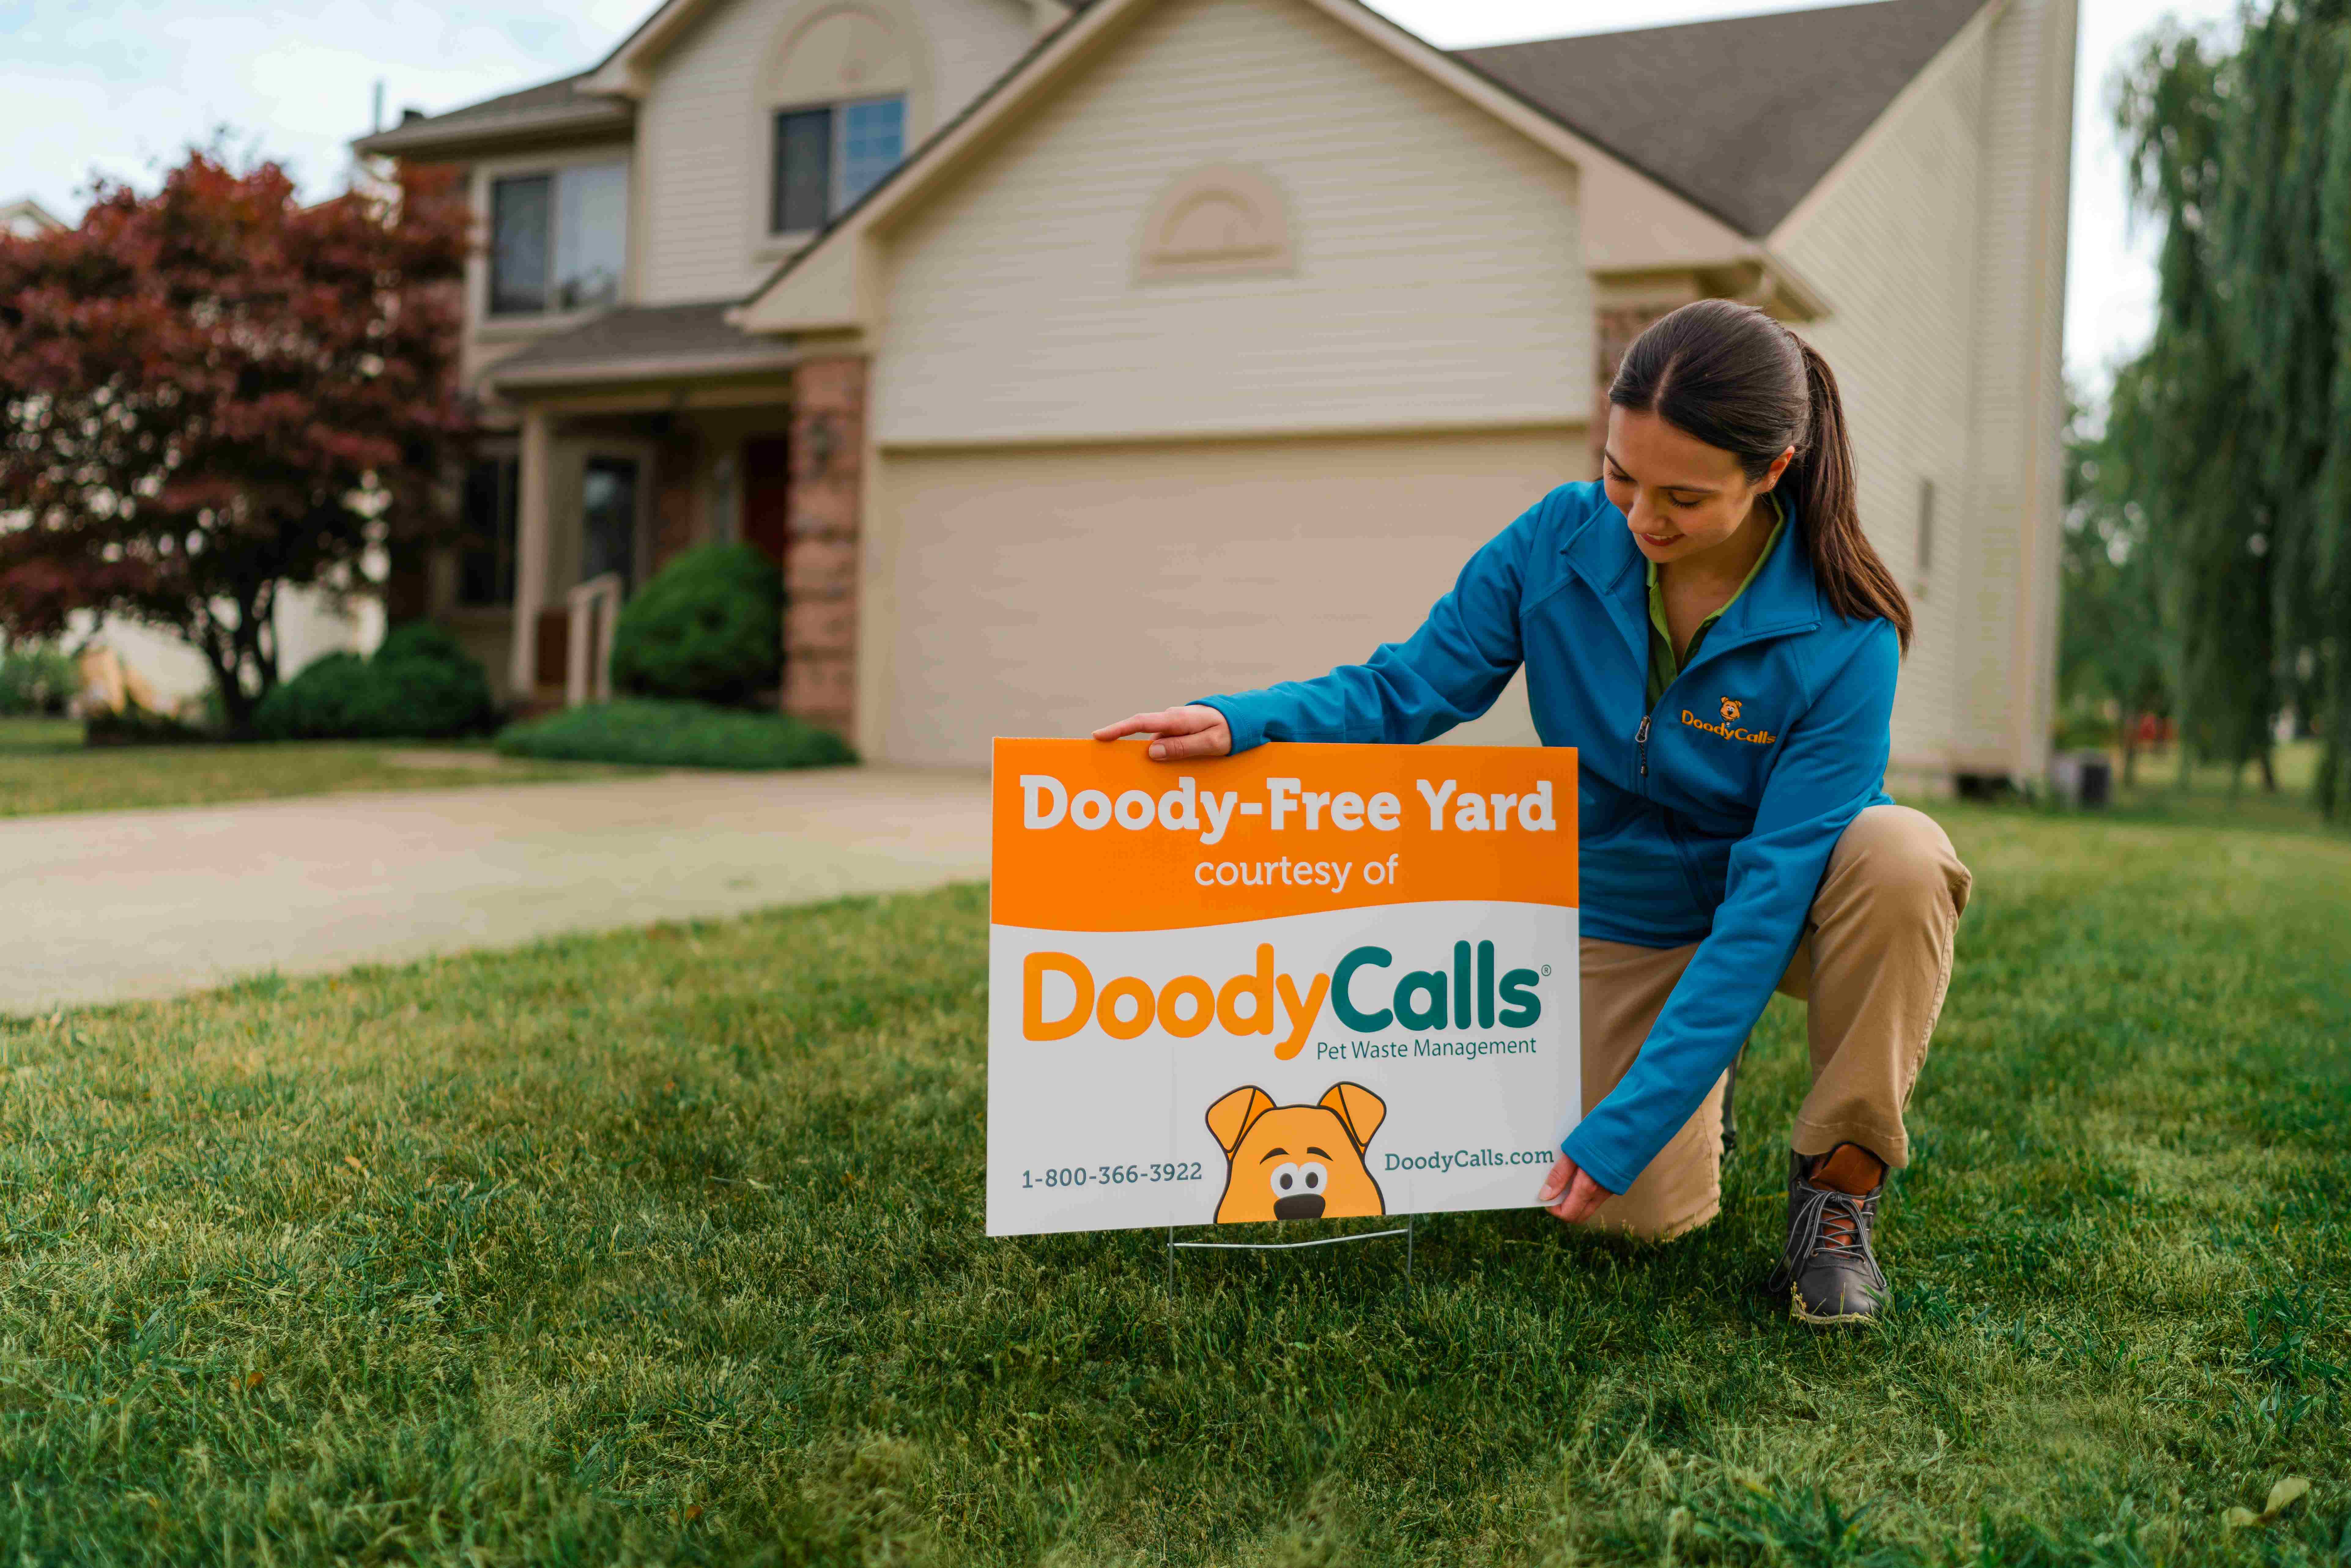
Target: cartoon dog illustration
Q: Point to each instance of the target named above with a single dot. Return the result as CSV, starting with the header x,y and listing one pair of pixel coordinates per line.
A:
x,y
1297,1162
1730,707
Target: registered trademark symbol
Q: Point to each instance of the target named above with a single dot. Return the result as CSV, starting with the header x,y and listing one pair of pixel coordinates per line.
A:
x,y
1546,968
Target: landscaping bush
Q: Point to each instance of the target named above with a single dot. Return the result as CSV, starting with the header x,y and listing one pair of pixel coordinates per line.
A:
x,y
675,734
36,678
317,703
436,686
707,628
422,684
132,724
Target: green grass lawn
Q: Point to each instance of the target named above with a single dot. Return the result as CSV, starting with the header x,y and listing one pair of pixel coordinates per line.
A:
x,y
45,767
666,1247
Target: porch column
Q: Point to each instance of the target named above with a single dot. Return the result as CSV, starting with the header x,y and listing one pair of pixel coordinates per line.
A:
x,y
531,530
827,495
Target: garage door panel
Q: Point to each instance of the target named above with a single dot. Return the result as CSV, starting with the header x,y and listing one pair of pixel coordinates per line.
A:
x,y
1045,592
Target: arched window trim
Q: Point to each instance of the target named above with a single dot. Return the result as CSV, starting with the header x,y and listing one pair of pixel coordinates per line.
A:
x,y
1166,254
897,75
904,76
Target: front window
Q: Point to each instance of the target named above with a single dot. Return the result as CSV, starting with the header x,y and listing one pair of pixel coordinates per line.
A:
x,y
827,158
558,239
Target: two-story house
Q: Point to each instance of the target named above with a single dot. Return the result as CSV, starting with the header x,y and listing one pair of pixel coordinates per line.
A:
x,y
1077,359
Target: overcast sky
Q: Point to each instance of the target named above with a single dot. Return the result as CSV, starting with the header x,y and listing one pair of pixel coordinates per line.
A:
x,y
122,86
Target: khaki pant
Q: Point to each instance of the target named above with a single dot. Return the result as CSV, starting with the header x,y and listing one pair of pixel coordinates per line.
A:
x,y
1872,967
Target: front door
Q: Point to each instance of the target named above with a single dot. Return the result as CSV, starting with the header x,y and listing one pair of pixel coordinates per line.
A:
x,y
608,518
767,494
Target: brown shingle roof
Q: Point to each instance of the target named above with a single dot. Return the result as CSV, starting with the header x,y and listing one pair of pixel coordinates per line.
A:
x,y
551,106
637,343
1743,116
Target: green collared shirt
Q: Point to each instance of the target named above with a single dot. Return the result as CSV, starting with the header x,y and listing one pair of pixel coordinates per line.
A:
x,y
1663,665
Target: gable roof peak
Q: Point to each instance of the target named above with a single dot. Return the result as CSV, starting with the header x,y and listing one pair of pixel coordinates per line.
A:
x,y
1791,92
627,71
828,285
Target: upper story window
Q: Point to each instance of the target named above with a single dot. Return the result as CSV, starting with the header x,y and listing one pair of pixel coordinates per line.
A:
x,y
558,239
842,88
826,158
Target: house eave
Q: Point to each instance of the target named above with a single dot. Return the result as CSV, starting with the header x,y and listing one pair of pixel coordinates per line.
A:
x,y
609,372
627,71
426,138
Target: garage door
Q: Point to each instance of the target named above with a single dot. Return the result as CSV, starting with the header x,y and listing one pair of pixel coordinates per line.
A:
x,y
1044,593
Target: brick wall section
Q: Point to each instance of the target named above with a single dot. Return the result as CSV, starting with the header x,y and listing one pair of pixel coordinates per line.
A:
x,y
1618,326
828,437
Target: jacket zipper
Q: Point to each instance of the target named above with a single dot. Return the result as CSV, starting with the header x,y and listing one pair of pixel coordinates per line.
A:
x,y
1711,647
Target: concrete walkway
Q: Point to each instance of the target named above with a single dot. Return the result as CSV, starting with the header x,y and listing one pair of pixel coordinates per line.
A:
x,y
105,906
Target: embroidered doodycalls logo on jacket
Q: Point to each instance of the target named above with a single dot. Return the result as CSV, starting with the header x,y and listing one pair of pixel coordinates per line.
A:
x,y
1730,707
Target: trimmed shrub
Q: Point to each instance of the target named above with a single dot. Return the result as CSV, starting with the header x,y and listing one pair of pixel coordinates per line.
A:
x,y
430,684
421,684
318,703
669,733
135,725
707,628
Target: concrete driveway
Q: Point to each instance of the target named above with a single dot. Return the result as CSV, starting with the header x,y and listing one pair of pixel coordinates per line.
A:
x,y
105,906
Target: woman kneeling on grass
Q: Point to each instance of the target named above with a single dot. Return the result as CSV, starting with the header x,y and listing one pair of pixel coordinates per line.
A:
x,y
1721,648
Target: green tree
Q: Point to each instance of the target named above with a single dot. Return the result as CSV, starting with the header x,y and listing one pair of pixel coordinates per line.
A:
x,y
2282,285
2113,650
2237,430
2179,432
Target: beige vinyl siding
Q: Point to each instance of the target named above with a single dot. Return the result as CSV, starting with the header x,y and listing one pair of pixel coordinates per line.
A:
x,y
1890,239
1037,591
1437,276
2006,672
703,134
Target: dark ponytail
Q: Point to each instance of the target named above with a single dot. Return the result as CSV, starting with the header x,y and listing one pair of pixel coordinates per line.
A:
x,y
1731,376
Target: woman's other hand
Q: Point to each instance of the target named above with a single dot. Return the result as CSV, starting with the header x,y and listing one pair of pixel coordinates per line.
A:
x,y
1568,1193
1178,734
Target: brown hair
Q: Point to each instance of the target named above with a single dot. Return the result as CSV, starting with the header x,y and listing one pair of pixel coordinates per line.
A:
x,y
1731,376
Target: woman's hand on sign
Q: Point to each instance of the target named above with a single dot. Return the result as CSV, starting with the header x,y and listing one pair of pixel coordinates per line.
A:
x,y
1178,734
1570,1193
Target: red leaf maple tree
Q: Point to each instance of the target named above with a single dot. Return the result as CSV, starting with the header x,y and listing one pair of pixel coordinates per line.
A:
x,y
212,391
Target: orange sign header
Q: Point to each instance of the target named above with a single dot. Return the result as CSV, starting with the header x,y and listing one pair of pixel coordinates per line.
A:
x,y
1095,837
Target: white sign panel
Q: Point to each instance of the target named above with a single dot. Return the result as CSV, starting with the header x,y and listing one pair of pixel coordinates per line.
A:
x,y
1308,982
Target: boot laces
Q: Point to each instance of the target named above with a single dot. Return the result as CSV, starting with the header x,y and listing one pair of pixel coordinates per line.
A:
x,y
1829,1224
1841,1225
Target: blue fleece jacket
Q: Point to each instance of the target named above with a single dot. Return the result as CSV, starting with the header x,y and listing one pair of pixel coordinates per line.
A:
x,y
1708,818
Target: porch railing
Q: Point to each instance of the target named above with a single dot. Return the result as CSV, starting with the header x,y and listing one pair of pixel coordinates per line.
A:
x,y
595,605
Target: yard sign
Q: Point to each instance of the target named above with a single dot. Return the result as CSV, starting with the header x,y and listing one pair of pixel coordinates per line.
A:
x,y
1309,981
